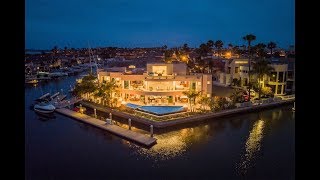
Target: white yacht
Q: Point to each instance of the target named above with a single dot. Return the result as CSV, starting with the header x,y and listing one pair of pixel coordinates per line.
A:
x,y
44,108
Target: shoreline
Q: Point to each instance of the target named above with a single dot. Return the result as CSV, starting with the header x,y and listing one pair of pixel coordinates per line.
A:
x,y
185,120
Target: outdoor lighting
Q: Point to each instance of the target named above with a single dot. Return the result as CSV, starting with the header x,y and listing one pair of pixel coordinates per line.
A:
x,y
184,58
241,62
228,54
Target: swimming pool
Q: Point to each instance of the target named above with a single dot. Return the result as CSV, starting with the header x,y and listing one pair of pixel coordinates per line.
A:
x,y
157,110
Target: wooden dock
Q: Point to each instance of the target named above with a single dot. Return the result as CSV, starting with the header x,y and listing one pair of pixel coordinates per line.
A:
x,y
114,129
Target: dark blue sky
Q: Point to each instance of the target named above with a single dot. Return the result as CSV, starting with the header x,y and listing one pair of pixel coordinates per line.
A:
x,y
146,23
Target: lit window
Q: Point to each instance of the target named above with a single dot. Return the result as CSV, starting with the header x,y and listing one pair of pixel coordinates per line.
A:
x,y
208,82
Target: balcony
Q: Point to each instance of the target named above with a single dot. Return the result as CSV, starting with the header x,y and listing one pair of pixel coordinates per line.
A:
x,y
159,77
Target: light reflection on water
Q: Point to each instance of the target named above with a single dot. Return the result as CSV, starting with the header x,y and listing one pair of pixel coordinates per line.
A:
x,y
174,143
237,141
253,145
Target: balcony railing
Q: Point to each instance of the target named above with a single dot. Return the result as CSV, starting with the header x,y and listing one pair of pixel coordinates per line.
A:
x,y
160,77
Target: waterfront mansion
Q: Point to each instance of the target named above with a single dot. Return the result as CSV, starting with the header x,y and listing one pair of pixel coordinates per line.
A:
x,y
157,84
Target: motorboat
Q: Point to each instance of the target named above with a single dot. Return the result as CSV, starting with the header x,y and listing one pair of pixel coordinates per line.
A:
x,y
44,108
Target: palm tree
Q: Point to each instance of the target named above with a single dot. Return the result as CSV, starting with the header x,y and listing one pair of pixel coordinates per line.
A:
x,y
261,68
218,45
101,92
260,49
111,88
185,48
192,95
204,102
202,51
168,55
236,95
271,45
87,86
249,38
210,44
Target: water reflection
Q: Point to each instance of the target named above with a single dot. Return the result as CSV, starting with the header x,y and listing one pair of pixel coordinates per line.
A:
x,y
45,117
252,146
175,143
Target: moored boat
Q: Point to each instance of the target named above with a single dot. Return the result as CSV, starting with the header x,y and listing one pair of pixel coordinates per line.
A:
x,y
44,108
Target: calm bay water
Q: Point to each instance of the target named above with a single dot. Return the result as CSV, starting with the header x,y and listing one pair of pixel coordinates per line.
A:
x,y
252,146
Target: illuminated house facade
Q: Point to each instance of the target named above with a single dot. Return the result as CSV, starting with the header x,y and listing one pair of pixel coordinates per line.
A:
x,y
281,81
158,84
277,81
232,71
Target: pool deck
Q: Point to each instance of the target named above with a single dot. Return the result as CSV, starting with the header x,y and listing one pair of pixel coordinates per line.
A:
x,y
114,129
210,115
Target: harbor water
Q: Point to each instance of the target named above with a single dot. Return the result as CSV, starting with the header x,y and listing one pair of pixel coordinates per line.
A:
x,y
259,145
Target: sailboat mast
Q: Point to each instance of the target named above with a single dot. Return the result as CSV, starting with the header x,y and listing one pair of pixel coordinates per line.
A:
x,y
90,58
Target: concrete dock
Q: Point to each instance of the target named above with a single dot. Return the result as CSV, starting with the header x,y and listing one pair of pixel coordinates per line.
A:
x,y
114,129
168,123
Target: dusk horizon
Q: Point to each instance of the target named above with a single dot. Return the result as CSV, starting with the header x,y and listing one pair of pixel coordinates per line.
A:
x,y
141,24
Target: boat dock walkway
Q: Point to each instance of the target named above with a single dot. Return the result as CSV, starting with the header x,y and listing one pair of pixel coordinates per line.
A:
x,y
125,133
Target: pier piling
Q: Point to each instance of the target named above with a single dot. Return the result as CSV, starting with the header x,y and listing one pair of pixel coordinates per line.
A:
x,y
129,122
151,130
110,117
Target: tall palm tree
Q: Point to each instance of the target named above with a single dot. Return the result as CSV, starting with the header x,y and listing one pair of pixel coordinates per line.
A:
x,y
218,45
261,68
271,45
249,38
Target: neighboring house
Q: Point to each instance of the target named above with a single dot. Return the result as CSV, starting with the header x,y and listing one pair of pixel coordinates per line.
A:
x,y
161,83
232,70
281,81
282,75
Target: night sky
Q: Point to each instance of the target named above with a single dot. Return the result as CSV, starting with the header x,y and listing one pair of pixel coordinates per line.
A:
x,y
150,23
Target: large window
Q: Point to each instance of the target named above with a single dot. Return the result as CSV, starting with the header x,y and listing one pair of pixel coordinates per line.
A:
x,y
229,69
126,84
245,81
159,70
285,76
280,77
236,70
273,88
273,76
279,89
193,86
290,74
